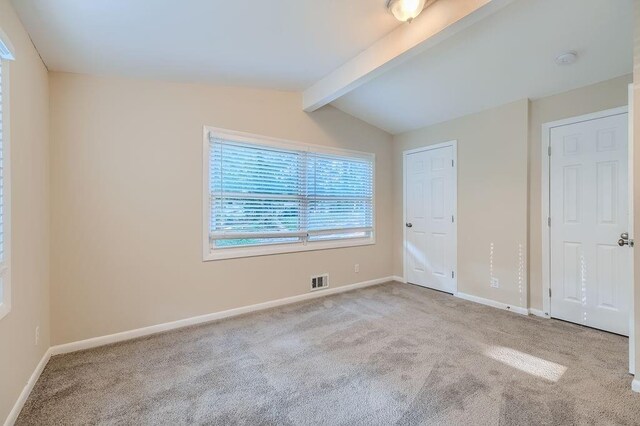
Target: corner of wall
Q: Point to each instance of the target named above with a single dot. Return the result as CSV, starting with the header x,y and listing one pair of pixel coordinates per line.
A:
x,y
30,210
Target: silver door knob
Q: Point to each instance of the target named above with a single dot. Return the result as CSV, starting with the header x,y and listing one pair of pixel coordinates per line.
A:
x,y
408,224
624,240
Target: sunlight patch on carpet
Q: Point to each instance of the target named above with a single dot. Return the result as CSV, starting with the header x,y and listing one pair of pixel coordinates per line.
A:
x,y
527,363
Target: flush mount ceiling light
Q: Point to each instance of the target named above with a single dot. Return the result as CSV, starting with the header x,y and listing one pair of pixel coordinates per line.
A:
x,y
405,10
567,58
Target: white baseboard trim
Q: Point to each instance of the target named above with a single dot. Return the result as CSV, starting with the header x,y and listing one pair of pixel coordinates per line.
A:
x,y
17,407
159,328
399,279
493,303
538,313
635,385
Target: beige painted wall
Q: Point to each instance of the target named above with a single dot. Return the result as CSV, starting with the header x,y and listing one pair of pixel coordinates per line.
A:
x,y
598,97
488,208
127,195
29,119
492,197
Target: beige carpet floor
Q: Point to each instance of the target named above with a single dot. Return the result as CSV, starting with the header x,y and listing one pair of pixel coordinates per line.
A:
x,y
390,354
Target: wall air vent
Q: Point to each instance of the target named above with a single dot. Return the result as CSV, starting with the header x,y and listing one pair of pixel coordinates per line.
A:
x,y
319,282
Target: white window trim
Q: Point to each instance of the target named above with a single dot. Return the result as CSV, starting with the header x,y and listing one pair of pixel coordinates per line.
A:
x,y
264,250
6,55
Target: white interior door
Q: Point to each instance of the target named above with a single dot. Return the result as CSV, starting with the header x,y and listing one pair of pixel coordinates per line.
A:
x,y
589,202
430,240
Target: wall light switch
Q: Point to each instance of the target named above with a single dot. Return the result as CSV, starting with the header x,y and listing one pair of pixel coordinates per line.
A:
x,y
495,283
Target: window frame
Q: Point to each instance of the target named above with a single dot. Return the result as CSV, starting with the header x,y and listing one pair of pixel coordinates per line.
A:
x,y
212,254
6,57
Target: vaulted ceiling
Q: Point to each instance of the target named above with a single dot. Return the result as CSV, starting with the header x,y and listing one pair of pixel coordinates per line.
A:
x,y
279,44
293,44
505,57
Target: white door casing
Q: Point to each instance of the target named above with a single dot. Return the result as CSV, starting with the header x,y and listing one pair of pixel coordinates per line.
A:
x,y
589,273
632,337
430,217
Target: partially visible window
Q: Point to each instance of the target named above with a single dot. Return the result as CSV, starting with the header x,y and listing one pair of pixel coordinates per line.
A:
x,y
5,227
264,196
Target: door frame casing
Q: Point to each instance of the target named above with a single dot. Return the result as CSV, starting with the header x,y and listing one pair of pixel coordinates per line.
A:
x,y
546,193
632,233
405,154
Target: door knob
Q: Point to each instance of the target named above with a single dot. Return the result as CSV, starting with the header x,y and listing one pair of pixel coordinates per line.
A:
x,y
408,224
624,240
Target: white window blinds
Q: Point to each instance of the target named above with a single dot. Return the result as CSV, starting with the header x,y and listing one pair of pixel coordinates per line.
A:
x,y
6,55
261,194
339,195
3,263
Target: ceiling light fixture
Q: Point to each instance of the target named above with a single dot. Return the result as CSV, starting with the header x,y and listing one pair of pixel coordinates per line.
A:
x,y
567,58
405,10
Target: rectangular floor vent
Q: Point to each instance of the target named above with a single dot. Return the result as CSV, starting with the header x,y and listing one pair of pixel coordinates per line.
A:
x,y
319,282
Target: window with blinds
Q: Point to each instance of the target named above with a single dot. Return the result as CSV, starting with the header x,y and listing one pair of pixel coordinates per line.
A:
x,y
272,197
2,259
6,56
5,296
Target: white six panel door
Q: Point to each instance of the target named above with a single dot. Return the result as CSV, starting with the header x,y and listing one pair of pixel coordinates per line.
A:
x,y
430,240
590,273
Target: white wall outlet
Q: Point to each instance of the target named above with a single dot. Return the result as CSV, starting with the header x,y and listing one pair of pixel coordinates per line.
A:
x,y
37,335
495,283
356,268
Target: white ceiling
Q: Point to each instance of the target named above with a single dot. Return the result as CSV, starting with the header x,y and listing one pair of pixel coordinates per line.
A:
x,y
506,57
291,44
280,44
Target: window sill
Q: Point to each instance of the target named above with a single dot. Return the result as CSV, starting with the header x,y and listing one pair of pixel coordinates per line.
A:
x,y
240,252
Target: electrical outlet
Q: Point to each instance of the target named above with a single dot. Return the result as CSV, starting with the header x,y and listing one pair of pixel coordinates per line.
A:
x,y
37,335
495,283
356,268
